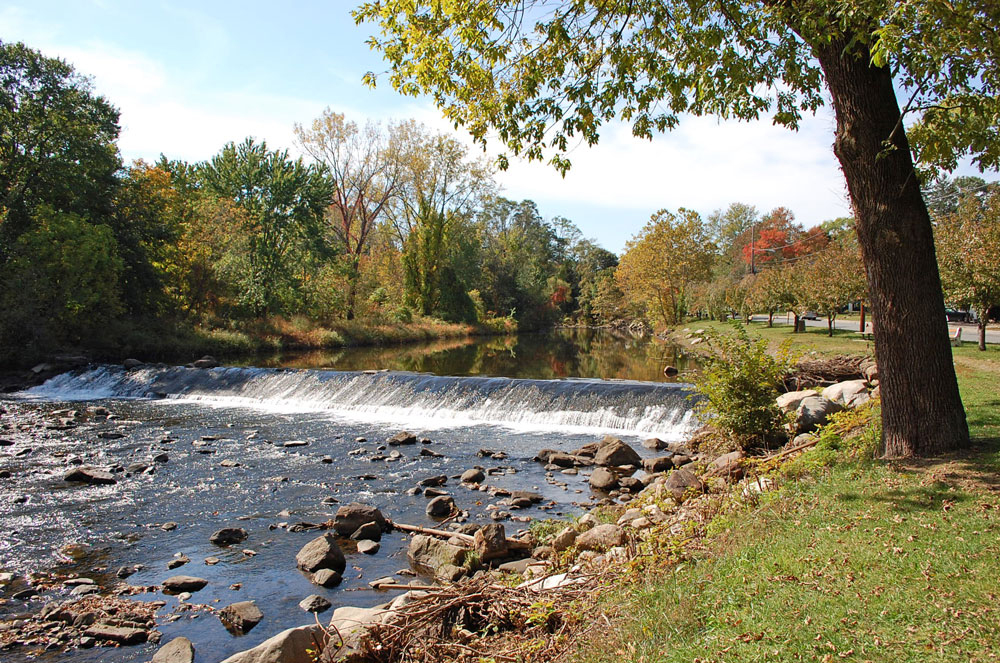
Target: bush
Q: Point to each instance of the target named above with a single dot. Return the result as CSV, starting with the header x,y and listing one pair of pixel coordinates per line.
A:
x,y
739,384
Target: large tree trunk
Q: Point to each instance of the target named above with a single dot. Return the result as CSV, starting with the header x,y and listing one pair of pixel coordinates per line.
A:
x,y
922,411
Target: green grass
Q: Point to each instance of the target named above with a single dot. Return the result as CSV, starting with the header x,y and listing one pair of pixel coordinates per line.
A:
x,y
855,560
813,340
866,563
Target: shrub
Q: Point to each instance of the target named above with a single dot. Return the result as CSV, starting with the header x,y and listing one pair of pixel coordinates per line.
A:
x,y
738,386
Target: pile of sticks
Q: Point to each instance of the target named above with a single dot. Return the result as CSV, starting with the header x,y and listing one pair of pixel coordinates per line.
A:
x,y
809,373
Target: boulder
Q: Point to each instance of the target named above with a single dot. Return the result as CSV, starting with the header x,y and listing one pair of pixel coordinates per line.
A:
x,y
533,497
368,547
789,402
352,516
614,452
90,475
588,450
427,554
630,484
207,361
178,584
123,635
130,364
178,650
369,531
601,538
291,646
870,371
441,506
351,624
562,459
654,443
813,412
603,479
240,618
728,465
659,464
434,481
680,483
314,603
474,475
401,439
851,393
564,539
321,553
490,541
326,578
227,536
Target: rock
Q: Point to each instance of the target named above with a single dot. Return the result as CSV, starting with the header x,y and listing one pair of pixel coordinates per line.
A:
x,y
654,443
321,553
603,479
789,402
90,475
564,539
161,458
326,578
368,547
870,371
400,439
813,412
630,484
370,531
130,364
292,646
168,527
434,481
119,634
544,455
680,483
680,460
562,459
535,498
240,618
430,453
110,435
292,444
84,590
614,453
228,536
178,650
431,492
352,516
601,538
351,624
587,521
207,361
125,571
490,541
427,554
802,439
178,561
659,464
229,463
588,450
518,566
851,393
728,465
474,475
178,584
315,603
441,506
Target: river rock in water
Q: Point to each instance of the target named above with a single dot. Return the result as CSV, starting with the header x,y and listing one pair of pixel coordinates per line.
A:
x,y
178,584
178,650
352,516
441,506
321,553
90,475
240,618
228,536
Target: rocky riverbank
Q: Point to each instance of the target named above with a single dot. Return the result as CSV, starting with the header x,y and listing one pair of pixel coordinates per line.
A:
x,y
455,563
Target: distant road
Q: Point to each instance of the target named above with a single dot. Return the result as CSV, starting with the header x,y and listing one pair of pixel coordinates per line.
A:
x,y
970,333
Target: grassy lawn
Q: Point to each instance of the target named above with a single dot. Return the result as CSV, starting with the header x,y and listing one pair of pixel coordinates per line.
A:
x,y
855,560
813,340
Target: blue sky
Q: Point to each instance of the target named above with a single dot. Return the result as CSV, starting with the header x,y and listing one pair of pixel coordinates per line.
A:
x,y
190,76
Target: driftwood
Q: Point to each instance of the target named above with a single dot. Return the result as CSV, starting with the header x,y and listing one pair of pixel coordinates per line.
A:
x,y
512,544
808,373
403,585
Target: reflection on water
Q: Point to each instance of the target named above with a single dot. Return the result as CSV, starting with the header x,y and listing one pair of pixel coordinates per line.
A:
x,y
561,353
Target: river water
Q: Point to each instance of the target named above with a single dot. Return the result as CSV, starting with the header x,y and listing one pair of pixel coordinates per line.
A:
x,y
510,395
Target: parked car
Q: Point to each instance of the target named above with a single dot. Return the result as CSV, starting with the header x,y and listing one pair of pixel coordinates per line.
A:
x,y
809,315
955,315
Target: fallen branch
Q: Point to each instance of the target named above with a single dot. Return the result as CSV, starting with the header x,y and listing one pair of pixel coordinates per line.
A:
x,y
786,452
512,544
402,585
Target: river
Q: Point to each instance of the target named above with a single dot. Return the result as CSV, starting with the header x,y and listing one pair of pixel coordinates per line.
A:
x,y
286,441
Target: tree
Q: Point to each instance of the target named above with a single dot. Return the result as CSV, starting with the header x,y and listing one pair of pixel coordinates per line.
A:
x,y
57,142
968,249
283,201
365,170
832,278
539,74
669,254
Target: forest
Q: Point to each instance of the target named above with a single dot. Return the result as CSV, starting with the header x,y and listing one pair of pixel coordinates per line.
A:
x,y
376,226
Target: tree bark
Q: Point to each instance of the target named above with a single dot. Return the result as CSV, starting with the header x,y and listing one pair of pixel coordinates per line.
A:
x,y
922,412
982,332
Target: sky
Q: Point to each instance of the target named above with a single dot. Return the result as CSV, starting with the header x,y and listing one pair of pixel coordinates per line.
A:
x,y
189,77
